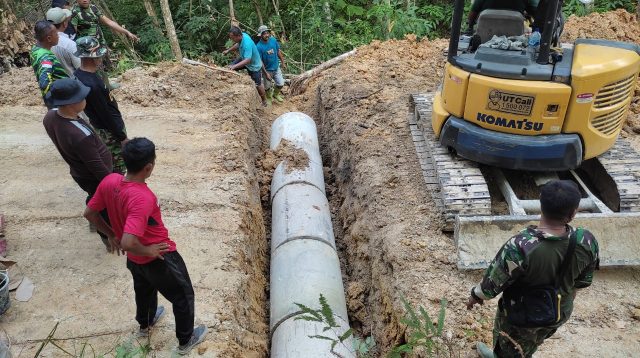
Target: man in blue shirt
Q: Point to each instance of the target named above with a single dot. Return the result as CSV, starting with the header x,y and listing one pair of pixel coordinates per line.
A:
x,y
272,57
249,59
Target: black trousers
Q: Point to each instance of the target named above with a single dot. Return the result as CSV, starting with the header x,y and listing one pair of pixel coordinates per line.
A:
x,y
90,186
171,279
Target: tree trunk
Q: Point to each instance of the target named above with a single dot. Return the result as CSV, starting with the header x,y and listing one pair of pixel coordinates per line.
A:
x,y
151,11
387,19
232,14
327,12
259,13
299,83
276,6
171,30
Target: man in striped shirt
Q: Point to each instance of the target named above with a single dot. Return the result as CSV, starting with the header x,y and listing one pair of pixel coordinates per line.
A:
x,y
45,64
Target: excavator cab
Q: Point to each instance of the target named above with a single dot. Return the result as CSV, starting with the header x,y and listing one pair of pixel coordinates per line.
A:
x,y
550,112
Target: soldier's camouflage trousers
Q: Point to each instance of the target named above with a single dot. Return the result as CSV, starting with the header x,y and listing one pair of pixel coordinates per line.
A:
x,y
115,148
528,339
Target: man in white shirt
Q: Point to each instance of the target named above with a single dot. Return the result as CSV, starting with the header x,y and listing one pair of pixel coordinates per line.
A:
x,y
66,47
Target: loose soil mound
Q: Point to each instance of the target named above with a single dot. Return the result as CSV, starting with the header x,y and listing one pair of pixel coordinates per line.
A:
x,y
294,158
19,87
179,86
616,25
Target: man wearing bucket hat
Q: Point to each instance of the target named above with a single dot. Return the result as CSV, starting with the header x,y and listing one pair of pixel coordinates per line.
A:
x,y
45,64
66,47
272,58
88,159
102,108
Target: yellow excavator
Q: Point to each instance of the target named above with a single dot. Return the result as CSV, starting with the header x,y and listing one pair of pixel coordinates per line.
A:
x,y
505,121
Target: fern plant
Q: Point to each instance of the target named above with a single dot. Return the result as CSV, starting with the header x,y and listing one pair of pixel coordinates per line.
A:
x,y
423,333
361,347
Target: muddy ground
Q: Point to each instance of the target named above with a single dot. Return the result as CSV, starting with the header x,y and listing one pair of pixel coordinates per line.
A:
x,y
207,188
213,170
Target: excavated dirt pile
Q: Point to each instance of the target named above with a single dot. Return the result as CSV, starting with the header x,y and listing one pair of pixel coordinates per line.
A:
x,y
19,88
616,25
180,86
387,229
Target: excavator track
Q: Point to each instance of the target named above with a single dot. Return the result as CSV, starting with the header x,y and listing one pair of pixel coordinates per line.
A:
x,y
622,164
456,184
461,194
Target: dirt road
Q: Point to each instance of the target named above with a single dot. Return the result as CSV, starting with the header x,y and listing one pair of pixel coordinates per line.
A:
x,y
207,189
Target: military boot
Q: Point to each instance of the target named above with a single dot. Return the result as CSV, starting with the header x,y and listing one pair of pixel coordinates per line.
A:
x,y
277,95
484,351
269,96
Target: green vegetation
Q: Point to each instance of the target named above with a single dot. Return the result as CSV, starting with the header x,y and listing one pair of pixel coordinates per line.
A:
x,y
132,348
425,336
311,31
362,348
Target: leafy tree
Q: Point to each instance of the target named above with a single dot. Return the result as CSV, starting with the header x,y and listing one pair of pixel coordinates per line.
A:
x,y
315,31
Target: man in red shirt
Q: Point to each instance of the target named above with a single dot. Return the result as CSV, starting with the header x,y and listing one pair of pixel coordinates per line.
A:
x,y
136,227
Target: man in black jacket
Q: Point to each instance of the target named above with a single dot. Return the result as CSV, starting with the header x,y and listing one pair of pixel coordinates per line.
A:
x,y
102,108
88,159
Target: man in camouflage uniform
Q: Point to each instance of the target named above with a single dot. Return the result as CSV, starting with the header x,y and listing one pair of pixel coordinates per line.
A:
x,y
102,108
87,19
45,65
532,259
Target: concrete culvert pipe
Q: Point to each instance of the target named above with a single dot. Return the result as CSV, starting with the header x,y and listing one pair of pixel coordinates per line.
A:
x,y
299,130
304,261
303,212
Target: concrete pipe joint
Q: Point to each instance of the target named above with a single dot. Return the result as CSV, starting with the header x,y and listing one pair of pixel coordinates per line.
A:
x,y
304,261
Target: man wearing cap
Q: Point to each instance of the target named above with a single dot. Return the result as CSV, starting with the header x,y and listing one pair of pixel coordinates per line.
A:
x,y
102,108
272,57
64,4
88,159
66,48
45,64
249,59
